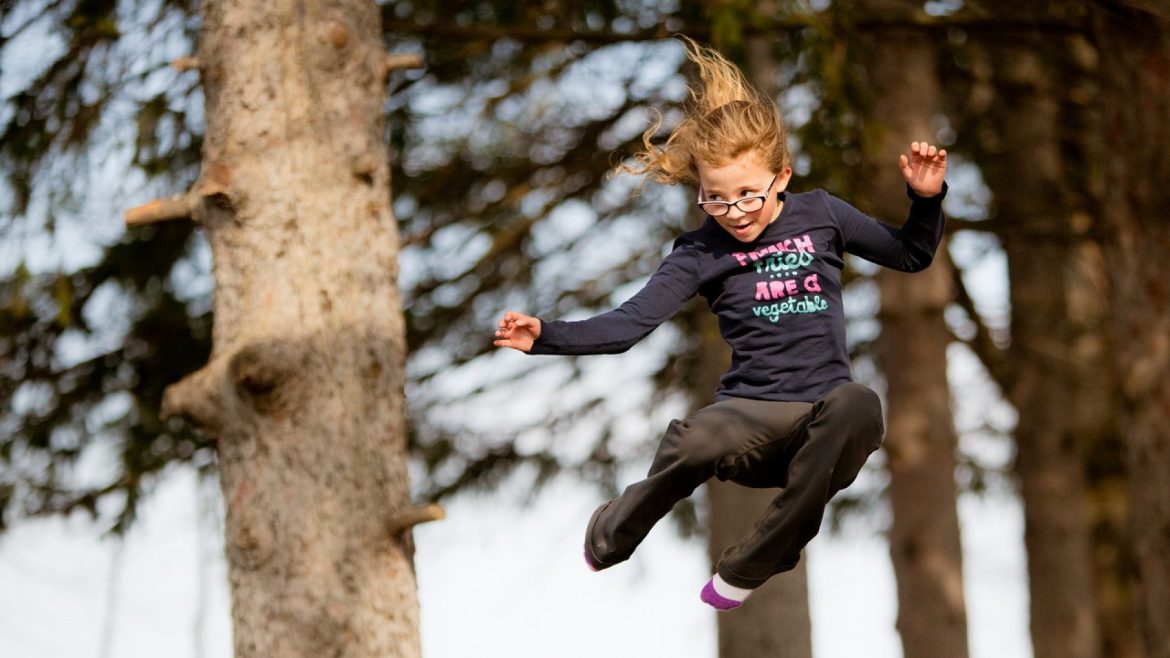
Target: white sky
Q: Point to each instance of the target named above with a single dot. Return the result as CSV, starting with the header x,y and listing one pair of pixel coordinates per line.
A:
x,y
494,580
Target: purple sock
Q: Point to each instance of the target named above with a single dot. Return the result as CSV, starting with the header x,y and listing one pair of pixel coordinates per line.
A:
x,y
711,596
589,562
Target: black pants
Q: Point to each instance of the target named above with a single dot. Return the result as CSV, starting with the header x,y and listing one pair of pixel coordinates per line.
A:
x,y
811,450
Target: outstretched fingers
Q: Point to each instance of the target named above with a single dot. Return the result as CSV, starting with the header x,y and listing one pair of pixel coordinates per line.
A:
x,y
926,153
924,168
517,331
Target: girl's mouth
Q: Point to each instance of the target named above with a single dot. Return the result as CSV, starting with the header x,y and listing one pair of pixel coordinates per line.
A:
x,y
743,229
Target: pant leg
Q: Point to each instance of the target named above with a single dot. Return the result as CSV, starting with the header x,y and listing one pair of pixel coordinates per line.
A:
x,y
844,429
714,441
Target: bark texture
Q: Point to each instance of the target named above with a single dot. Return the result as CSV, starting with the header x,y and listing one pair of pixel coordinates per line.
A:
x,y
1134,42
1048,264
775,621
1096,429
920,443
304,389
920,437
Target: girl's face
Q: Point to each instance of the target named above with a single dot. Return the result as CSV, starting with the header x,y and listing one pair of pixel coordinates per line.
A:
x,y
739,178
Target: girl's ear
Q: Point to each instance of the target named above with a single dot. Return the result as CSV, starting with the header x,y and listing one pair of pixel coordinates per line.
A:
x,y
782,179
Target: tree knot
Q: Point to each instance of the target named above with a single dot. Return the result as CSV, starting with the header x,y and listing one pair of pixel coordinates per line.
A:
x,y
265,374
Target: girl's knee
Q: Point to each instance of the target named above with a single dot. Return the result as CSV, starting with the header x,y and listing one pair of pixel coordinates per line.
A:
x,y
861,409
854,395
855,400
709,434
688,442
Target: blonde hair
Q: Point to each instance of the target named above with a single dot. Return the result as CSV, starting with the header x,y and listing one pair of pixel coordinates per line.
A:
x,y
724,117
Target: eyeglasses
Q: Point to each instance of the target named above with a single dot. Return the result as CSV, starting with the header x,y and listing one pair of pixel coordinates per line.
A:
x,y
746,204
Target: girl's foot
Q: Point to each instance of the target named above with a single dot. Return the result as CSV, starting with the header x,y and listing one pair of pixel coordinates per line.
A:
x,y
595,546
721,596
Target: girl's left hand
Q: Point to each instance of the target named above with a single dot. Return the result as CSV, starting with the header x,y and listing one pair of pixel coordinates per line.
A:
x,y
517,331
924,169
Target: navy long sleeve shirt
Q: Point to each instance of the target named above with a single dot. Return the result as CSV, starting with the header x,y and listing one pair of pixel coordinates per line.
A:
x,y
778,298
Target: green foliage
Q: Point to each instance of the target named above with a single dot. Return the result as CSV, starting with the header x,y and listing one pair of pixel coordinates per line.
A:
x,y
87,349
500,152
62,402
533,127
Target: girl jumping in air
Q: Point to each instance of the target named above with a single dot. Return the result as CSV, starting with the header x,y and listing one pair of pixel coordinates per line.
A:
x,y
768,262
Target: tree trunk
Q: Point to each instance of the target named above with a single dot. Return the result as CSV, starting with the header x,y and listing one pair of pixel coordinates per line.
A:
x,y
1034,196
920,443
304,389
1096,427
775,621
1135,75
920,437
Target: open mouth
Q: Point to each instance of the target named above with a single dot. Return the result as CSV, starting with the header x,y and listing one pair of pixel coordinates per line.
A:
x,y
742,229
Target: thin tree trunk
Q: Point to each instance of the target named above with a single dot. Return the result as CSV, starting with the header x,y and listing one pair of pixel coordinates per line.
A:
x,y
304,389
920,437
1032,195
775,621
1096,427
920,443
1135,75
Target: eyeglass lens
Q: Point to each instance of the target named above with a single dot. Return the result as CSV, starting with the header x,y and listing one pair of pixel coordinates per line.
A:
x,y
718,208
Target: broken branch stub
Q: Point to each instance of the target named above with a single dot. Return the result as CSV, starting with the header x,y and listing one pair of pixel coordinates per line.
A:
x,y
411,516
186,64
396,61
177,207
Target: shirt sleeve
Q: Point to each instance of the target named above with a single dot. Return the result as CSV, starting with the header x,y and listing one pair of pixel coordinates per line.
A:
x,y
909,249
675,282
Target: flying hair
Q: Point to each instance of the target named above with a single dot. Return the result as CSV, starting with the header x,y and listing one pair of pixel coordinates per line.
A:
x,y
725,117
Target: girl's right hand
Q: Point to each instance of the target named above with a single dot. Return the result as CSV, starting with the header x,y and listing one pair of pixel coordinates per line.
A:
x,y
517,331
925,169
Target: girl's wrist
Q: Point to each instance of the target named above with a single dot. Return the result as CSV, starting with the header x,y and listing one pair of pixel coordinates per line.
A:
x,y
925,194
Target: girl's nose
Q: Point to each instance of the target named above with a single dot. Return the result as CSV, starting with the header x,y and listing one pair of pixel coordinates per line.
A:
x,y
734,212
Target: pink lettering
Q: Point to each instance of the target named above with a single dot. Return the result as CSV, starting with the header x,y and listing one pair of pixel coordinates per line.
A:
x,y
762,291
769,290
812,284
804,243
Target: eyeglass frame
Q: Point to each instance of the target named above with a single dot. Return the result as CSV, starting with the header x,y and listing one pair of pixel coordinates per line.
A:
x,y
728,204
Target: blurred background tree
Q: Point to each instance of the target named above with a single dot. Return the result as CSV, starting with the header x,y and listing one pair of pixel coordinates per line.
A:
x,y
500,150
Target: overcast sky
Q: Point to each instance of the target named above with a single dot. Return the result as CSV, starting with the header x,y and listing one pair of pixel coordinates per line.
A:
x,y
494,580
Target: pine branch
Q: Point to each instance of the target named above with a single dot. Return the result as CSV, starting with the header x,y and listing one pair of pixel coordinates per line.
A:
x,y
991,355
792,23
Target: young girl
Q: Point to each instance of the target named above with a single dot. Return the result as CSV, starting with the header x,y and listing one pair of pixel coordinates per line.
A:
x,y
768,262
